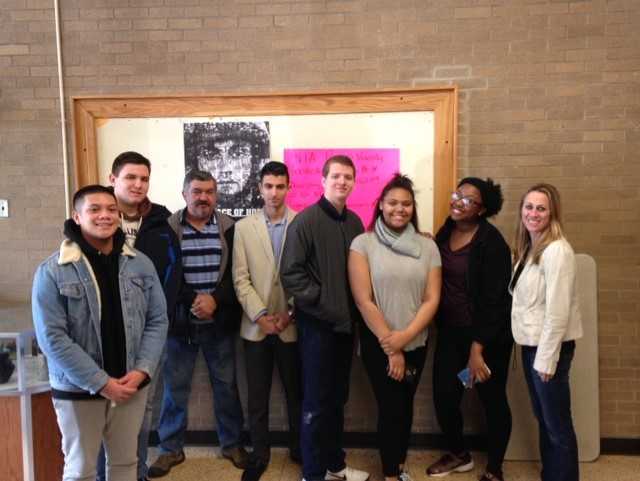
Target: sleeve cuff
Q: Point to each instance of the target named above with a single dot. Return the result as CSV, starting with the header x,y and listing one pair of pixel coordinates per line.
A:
x,y
259,315
146,367
546,366
98,382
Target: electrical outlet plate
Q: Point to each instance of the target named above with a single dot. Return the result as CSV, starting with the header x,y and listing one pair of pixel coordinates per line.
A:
x,y
4,208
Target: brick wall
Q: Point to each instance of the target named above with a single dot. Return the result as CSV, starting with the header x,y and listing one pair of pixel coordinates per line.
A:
x,y
549,90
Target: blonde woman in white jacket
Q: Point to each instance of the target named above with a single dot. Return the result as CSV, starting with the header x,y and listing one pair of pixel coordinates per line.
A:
x,y
546,321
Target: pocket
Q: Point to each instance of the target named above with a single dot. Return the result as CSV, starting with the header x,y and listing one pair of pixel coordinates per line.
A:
x,y
138,295
142,283
78,312
72,290
139,288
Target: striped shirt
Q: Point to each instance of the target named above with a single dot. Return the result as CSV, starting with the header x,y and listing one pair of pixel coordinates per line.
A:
x,y
201,254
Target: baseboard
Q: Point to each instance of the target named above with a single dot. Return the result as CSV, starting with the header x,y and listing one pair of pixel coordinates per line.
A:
x,y
623,446
620,446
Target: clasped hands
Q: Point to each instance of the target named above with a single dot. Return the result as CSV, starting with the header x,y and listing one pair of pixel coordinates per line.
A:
x,y
121,390
392,344
204,306
274,323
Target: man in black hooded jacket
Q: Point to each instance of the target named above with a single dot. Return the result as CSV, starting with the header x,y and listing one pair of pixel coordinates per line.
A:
x,y
146,229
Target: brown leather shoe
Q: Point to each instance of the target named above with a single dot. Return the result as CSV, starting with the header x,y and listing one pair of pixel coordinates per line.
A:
x,y
450,463
164,463
237,455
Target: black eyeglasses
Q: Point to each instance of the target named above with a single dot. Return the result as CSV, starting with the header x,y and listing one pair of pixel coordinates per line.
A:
x,y
465,200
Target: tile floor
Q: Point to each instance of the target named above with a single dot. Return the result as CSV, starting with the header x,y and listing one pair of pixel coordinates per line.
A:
x,y
203,464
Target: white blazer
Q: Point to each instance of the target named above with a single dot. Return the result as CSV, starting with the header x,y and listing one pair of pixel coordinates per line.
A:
x,y
256,275
545,305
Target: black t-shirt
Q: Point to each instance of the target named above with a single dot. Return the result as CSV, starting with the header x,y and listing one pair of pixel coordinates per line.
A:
x,y
455,305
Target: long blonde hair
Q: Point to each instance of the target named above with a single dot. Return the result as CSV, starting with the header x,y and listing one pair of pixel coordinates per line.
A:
x,y
523,246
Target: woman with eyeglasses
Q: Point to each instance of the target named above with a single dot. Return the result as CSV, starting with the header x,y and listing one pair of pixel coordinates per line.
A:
x,y
473,325
546,321
395,278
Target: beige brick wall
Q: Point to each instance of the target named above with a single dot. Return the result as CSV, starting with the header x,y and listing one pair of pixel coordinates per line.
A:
x,y
549,90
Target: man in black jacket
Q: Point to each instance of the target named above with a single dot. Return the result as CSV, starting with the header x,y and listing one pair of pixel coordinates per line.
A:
x,y
207,317
314,271
146,229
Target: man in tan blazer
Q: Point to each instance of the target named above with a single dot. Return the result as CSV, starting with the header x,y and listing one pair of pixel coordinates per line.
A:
x,y
267,327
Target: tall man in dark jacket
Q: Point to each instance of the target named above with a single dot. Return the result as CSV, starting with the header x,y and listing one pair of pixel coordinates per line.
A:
x,y
207,317
146,228
314,271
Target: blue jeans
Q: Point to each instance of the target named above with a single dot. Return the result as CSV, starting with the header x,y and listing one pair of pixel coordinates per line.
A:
x,y
145,429
552,407
220,356
326,365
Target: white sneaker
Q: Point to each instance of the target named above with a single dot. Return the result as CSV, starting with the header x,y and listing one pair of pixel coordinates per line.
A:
x,y
347,474
404,476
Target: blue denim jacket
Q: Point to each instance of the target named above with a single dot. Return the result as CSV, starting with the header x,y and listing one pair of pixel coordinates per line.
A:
x,y
66,315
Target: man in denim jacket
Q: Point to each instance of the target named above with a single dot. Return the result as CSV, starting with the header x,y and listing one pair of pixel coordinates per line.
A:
x,y
101,319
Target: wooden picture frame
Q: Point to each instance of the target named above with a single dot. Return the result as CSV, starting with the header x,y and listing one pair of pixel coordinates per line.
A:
x,y
89,111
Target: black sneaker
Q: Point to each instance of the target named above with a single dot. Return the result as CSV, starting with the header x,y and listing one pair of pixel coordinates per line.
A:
x,y
450,463
254,471
295,455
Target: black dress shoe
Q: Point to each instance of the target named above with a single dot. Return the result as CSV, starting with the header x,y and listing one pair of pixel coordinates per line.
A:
x,y
295,455
254,471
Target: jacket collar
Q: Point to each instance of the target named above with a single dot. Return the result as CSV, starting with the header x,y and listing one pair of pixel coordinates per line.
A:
x,y
184,221
71,252
331,211
445,232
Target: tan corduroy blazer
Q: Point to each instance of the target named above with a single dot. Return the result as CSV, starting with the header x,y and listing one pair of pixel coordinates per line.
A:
x,y
256,275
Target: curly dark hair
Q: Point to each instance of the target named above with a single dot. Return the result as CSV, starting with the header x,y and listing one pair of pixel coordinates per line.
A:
x,y
490,192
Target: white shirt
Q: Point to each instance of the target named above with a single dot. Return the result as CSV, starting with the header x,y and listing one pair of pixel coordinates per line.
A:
x,y
545,309
130,229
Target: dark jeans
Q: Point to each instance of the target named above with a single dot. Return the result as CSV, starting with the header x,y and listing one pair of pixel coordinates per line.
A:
x,y
326,365
260,358
394,399
220,355
552,407
451,356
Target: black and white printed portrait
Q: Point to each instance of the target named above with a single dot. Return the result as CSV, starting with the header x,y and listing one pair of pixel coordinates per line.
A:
x,y
234,153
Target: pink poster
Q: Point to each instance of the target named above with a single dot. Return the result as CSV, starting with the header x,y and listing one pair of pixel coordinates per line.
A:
x,y
374,168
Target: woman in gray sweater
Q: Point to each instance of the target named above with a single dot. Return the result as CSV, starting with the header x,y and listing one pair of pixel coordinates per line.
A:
x,y
395,278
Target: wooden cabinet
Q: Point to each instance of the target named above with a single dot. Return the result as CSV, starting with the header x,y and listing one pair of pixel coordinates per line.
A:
x,y
29,439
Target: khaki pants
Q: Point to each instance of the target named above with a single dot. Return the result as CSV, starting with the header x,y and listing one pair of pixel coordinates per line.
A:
x,y
85,425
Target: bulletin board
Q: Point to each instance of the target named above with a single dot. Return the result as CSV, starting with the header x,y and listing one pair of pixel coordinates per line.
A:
x,y
419,125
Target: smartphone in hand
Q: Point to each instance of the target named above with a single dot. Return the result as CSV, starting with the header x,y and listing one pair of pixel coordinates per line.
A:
x,y
465,378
